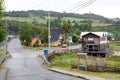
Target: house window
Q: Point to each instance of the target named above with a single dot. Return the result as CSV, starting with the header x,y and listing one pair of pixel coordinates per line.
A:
x,y
90,40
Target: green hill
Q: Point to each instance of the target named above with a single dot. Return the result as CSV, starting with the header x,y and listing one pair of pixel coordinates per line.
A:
x,y
39,18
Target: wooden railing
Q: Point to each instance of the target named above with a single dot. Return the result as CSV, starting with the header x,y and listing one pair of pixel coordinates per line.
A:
x,y
62,51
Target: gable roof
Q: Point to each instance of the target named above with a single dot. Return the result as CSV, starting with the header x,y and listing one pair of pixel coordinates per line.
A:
x,y
55,33
100,34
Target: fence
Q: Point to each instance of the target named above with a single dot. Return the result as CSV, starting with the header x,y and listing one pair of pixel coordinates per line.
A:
x,y
62,51
2,51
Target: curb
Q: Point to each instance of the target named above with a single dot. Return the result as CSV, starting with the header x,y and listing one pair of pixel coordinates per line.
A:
x,y
83,76
2,60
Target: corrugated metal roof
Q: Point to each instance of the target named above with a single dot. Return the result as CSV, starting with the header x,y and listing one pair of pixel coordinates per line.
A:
x,y
101,34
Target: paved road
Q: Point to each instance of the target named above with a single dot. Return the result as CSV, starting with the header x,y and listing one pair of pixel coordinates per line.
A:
x,y
26,66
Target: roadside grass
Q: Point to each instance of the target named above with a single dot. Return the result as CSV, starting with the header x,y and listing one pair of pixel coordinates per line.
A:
x,y
2,52
107,75
63,61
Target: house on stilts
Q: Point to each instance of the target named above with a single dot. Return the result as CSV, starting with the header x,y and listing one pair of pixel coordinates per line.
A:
x,y
96,43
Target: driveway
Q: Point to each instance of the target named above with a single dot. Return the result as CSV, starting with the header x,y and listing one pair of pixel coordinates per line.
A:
x,y
26,66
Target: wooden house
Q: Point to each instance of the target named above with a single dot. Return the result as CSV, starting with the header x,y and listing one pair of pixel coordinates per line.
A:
x,y
95,43
56,36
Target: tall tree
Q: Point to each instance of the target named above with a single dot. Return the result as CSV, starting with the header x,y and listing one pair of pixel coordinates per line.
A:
x,y
3,33
66,26
25,31
44,34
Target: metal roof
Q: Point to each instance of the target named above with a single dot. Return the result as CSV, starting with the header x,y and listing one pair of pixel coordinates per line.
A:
x,y
100,34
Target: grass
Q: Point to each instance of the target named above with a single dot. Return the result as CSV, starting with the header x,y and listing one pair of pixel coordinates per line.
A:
x,y
101,24
107,75
114,58
2,51
115,46
72,19
63,61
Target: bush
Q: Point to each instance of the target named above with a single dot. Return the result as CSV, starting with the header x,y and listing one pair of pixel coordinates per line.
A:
x,y
36,44
74,39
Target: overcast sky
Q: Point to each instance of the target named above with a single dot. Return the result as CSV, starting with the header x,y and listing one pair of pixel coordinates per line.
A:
x,y
107,8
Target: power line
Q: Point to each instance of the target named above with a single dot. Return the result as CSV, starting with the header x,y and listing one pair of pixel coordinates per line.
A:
x,y
70,7
81,5
87,4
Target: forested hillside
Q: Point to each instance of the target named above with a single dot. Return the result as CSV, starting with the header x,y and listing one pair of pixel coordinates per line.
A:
x,y
79,22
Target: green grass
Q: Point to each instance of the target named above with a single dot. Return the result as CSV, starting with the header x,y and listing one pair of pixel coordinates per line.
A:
x,y
72,19
107,75
101,25
114,58
2,51
115,46
63,60
27,19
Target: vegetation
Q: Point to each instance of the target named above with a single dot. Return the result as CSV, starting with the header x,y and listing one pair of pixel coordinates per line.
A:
x,y
67,27
70,60
44,34
1,10
114,58
3,33
63,60
25,33
74,39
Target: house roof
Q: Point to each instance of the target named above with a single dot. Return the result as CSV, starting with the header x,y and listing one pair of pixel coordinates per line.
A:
x,y
55,33
100,34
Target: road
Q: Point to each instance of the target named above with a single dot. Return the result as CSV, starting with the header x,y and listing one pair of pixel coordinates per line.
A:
x,y
26,66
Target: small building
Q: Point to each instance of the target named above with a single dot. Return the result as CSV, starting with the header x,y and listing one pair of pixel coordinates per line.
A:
x,y
95,43
33,41
56,37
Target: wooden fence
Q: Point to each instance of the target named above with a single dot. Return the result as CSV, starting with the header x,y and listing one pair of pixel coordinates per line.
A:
x,y
62,51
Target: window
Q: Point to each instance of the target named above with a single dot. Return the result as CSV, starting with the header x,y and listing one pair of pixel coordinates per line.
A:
x,y
90,40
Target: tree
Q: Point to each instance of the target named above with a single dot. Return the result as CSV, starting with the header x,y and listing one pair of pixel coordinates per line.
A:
x,y
1,10
74,39
44,34
3,34
25,33
66,26
86,25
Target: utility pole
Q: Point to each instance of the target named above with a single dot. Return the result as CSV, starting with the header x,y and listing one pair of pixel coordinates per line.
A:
x,y
6,38
49,36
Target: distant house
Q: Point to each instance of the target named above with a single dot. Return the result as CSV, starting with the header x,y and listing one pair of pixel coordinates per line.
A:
x,y
95,43
69,39
56,36
33,41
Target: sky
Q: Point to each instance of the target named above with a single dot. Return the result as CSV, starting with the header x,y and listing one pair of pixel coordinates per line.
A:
x,y
106,8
